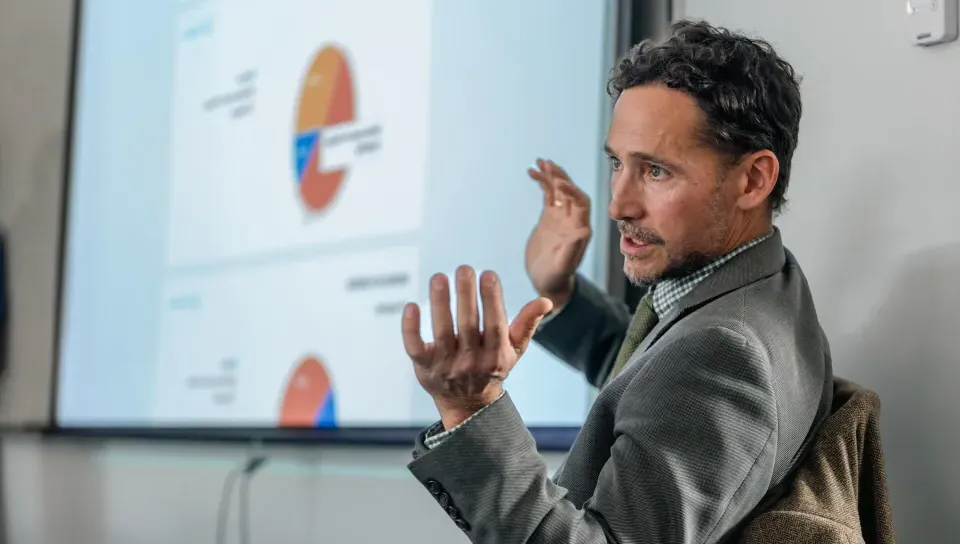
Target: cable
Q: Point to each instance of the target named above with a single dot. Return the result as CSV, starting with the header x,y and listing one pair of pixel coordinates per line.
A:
x,y
223,511
247,470
244,523
252,466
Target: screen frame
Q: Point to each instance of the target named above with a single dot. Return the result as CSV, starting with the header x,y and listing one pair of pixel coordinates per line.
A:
x,y
619,15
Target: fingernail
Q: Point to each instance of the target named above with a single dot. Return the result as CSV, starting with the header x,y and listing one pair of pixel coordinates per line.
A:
x,y
409,310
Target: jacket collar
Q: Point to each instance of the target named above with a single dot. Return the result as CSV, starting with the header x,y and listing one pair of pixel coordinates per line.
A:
x,y
760,261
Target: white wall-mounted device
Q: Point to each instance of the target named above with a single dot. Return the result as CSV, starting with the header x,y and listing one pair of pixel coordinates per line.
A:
x,y
932,21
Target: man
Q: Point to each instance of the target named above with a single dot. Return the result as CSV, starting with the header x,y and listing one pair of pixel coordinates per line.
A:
x,y
710,393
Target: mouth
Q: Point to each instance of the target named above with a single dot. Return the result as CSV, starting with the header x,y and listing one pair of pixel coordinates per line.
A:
x,y
633,247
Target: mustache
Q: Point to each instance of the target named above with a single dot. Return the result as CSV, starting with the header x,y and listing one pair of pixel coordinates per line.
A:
x,y
639,234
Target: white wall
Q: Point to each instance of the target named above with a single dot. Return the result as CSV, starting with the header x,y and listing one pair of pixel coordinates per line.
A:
x,y
874,223
121,492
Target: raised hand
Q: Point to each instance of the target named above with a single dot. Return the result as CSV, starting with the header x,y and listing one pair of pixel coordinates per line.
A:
x,y
560,239
463,369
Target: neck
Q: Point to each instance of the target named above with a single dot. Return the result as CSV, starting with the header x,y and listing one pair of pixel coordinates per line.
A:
x,y
749,228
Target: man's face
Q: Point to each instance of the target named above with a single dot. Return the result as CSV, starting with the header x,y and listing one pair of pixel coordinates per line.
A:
x,y
669,198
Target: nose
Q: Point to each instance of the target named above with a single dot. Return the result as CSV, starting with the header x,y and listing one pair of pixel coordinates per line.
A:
x,y
626,199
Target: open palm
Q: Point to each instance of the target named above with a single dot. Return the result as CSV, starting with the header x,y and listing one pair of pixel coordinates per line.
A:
x,y
464,367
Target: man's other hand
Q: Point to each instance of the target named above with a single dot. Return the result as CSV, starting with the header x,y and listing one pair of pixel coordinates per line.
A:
x,y
464,367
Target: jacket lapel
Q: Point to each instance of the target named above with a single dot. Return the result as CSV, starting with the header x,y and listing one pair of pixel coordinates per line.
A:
x,y
761,261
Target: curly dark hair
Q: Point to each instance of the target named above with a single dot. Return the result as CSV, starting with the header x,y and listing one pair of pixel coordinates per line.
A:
x,y
751,96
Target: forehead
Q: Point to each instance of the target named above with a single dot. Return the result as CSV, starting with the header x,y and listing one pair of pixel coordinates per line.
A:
x,y
655,119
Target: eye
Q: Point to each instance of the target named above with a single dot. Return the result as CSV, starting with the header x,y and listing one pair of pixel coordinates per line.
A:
x,y
658,172
615,162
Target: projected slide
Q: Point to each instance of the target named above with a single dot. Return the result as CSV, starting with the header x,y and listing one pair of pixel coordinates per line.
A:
x,y
282,144
311,343
256,187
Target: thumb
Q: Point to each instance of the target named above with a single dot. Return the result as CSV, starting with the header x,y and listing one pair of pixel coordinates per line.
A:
x,y
526,323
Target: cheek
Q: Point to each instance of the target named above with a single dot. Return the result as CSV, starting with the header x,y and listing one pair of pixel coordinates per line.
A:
x,y
671,215
683,221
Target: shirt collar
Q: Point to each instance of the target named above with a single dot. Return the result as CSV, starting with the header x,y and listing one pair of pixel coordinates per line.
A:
x,y
667,293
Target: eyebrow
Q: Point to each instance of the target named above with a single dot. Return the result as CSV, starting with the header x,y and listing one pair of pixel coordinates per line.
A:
x,y
645,157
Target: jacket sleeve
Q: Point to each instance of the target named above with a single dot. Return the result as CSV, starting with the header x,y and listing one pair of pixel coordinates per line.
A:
x,y
587,333
694,450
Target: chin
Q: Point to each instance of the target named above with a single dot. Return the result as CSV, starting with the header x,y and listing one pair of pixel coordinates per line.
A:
x,y
641,273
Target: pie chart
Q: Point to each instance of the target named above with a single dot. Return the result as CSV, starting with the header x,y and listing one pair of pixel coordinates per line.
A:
x,y
308,399
326,99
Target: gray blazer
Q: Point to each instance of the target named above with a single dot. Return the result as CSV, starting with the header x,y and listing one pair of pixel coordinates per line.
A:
x,y
714,409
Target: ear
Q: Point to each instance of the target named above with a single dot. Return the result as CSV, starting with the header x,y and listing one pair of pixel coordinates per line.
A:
x,y
760,172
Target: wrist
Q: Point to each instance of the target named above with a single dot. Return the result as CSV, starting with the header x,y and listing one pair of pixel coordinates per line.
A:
x,y
453,412
561,297
453,419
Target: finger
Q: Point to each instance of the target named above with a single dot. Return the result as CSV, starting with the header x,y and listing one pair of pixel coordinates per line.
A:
x,y
558,171
540,177
559,203
576,202
567,188
468,320
526,323
546,185
542,164
565,191
412,340
494,314
551,172
443,336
